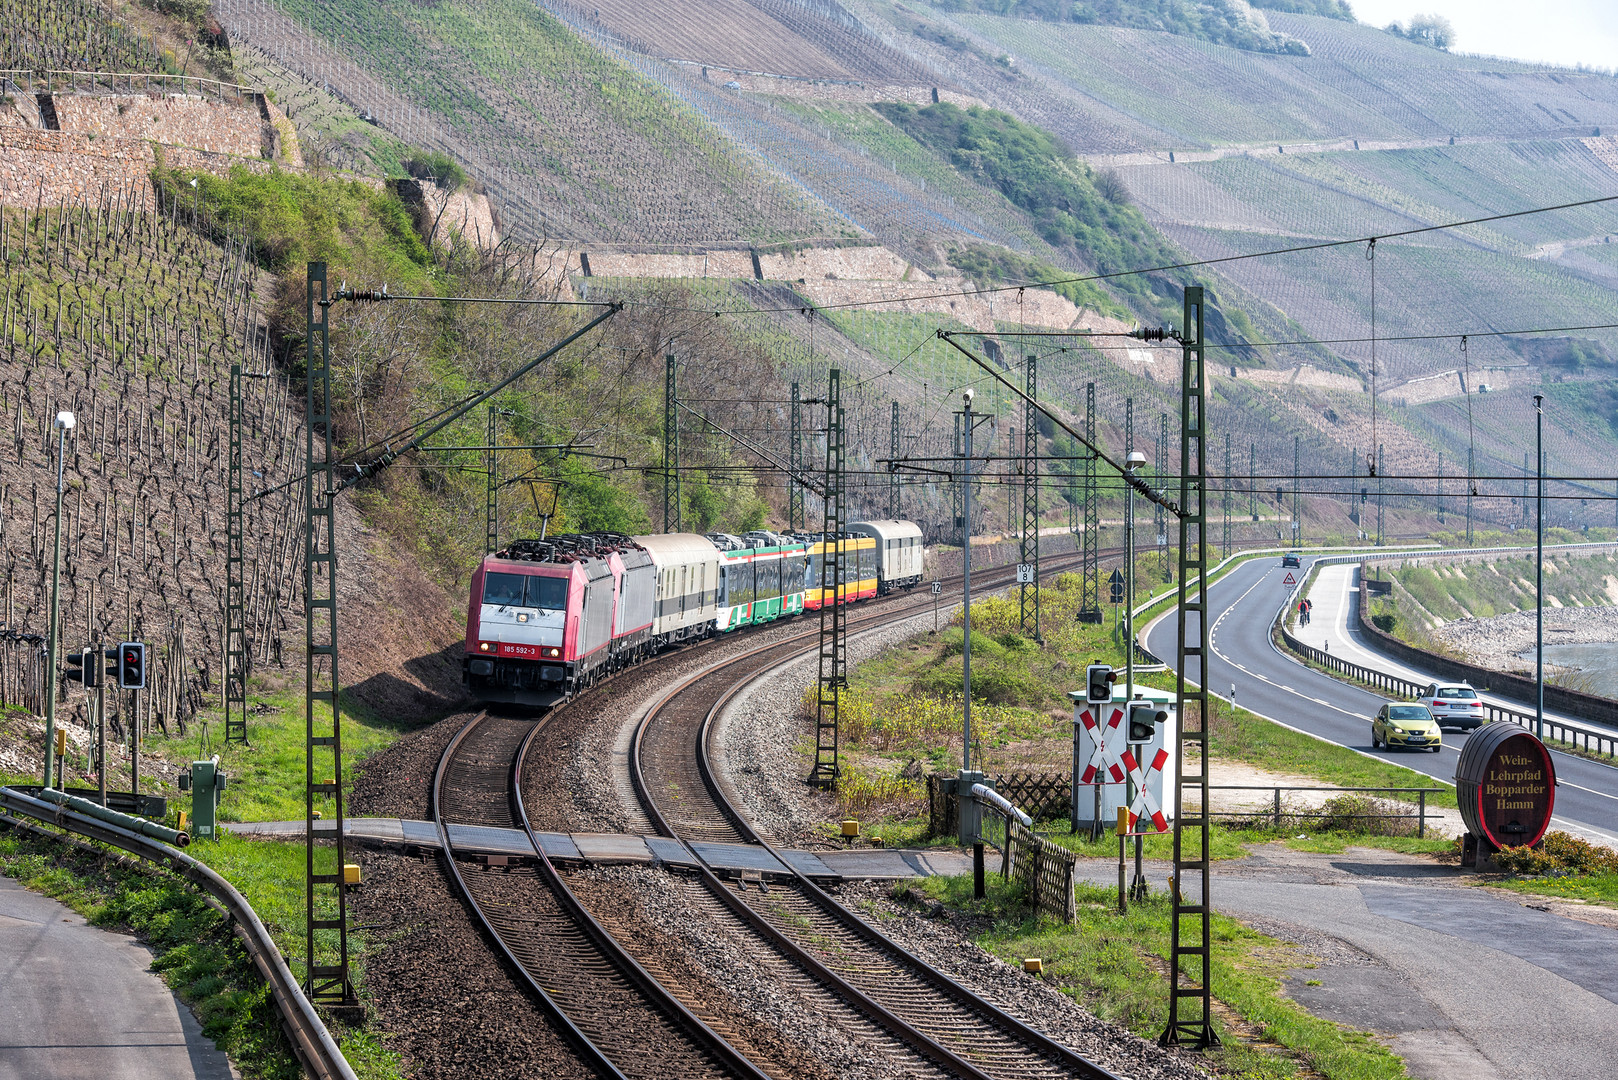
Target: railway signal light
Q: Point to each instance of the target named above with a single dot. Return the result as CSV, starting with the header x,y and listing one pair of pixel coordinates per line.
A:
x,y
1144,717
132,665
84,667
1098,680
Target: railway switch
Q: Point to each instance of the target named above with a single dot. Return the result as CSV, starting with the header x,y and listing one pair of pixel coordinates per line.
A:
x,y
206,782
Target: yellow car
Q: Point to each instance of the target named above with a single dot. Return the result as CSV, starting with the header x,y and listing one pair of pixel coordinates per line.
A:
x,y
1405,725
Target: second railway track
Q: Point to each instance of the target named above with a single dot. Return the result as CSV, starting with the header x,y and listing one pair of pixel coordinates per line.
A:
x,y
686,798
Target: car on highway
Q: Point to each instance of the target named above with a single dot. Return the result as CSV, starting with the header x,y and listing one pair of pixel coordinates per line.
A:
x,y
1454,705
1291,559
1405,724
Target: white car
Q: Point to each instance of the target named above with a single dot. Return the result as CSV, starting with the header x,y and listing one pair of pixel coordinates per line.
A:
x,y
1454,705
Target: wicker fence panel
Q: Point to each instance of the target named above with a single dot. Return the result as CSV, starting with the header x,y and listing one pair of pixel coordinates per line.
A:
x,y
1045,869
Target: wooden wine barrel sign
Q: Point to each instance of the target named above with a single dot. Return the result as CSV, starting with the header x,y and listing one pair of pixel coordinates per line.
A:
x,y
1506,785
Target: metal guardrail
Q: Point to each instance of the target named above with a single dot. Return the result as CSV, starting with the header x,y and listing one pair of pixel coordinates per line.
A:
x,y
129,83
310,1039
1592,742
1277,811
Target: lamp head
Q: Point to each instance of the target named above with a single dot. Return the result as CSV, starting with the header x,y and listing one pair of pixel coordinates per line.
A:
x,y
1134,461
966,397
64,420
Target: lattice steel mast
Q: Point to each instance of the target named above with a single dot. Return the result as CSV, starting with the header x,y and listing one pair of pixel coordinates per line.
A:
x,y
833,626
1190,1007
1090,595
1224,499
325,886
491,496
1159,521
671,447
795,517
893,473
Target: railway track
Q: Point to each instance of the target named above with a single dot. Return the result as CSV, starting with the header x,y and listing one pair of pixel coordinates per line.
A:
x,y
622,1022
685,798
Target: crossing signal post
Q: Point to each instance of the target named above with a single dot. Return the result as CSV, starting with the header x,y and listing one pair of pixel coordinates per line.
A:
x,y
132,665
1098,680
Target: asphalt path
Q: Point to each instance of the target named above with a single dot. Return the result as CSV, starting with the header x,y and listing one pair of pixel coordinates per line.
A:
x,y
1243,605
81,1002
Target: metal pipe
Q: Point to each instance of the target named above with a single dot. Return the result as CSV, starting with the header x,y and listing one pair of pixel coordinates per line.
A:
x,y
113,817
1001,803
1539,567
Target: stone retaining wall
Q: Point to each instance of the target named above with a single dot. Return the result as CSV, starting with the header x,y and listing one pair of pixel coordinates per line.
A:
x,y
51,167
172,119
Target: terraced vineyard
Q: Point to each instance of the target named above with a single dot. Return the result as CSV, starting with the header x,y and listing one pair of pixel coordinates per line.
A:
x,y
776,38
571,142
1359,83
78,34
1348,194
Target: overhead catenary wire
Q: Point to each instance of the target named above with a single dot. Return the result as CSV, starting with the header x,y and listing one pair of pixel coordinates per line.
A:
x,y
1320,245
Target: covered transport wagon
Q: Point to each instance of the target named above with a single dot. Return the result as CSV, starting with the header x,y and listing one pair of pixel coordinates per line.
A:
x,y
687,585
898,552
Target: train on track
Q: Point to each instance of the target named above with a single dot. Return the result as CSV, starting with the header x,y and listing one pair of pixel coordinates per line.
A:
x,y
548,618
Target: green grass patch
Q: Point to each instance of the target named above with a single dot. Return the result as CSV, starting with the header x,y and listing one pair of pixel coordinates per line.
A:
x,y
267,777
1591,888
1116,966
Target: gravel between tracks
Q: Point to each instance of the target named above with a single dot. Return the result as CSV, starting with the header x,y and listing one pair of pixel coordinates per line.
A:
x,y
762,735
738,983
437,987
946,945
397,782
582,795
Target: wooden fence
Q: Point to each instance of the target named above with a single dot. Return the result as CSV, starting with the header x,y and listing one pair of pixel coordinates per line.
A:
x,y
1045,870
1042,796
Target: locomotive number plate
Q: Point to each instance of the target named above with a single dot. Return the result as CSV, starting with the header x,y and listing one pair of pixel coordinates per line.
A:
x,y
529,651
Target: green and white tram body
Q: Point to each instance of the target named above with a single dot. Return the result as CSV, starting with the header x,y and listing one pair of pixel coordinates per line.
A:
x,y
761,578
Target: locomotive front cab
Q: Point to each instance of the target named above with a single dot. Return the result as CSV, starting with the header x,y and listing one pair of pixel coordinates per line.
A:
x,y
517,649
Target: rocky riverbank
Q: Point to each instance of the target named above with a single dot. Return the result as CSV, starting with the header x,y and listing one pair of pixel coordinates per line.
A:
x,y
1498,642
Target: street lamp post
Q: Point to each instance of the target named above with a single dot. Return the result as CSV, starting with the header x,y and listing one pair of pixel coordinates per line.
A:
x,y
1539,567
1132,462
63,424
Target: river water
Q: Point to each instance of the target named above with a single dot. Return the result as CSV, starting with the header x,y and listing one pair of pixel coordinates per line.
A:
x,y
1597,660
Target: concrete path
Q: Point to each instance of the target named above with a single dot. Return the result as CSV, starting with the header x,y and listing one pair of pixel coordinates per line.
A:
x,y
1464,983
77,1002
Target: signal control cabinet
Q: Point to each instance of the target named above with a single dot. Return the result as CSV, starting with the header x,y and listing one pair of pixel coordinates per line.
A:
x,y
207,783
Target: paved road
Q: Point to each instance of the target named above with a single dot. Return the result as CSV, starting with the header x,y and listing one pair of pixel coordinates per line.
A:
x,y
78,1002
1334,626
1463,984
1242,607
